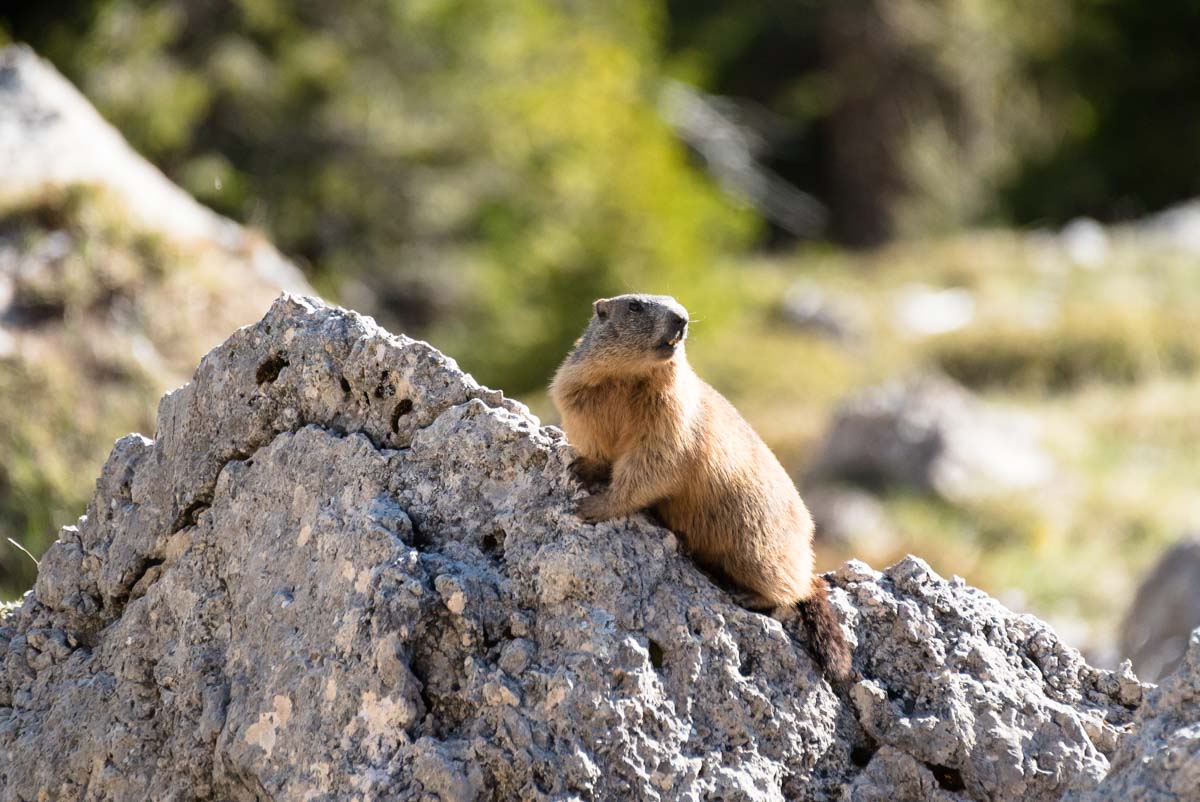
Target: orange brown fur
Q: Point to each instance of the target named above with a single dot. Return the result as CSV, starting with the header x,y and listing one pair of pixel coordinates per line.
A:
x,y
633,408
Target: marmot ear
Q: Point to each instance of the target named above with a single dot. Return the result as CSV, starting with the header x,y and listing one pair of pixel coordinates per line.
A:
x,y
601,307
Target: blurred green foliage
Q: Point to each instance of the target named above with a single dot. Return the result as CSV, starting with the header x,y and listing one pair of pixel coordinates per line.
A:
x,y
899,114
1125,78
476,171
914,116
500,160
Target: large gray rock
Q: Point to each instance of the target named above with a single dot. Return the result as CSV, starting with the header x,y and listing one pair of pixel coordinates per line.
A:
x,y
345,571
1165,611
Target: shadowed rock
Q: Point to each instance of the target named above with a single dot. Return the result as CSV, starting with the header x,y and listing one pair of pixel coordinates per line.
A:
x,y
344,570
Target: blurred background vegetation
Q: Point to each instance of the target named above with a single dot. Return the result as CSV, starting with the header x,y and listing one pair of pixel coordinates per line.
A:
x,y
800,174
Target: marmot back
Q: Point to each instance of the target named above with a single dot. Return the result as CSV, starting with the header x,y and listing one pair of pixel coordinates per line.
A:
x,y
639,418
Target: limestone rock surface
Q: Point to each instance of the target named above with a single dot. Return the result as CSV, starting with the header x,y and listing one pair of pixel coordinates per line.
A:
x,y
342,570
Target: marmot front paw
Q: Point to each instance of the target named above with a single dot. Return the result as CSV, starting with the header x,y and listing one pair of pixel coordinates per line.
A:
x,y
591,472
593,509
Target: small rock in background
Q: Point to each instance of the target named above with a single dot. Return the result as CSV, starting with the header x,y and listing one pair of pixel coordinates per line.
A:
x,y
809,308
1165,611
932,434
923,311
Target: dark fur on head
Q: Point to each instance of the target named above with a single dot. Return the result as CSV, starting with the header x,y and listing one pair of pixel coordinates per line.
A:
x,y
633,333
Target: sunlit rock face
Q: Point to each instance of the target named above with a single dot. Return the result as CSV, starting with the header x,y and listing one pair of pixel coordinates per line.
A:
x,y
343,570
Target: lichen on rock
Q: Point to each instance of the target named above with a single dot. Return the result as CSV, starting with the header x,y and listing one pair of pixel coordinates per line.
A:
x,y
343,570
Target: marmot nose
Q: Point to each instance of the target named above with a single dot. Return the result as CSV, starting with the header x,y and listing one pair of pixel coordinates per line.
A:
x,y
678,321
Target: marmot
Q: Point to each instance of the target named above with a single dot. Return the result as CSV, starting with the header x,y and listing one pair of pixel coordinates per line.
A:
x,y
639,417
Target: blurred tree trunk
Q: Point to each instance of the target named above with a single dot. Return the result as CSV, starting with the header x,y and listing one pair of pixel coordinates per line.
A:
x,y
867,124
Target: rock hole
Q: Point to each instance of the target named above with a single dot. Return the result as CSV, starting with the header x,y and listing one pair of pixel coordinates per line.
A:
x,y
491,639
430,722
384,389
402,409
948,778
745,663
493,542
861,755
145,575
146,565
656,654
543,778
269,371
419,539
345,384
190,514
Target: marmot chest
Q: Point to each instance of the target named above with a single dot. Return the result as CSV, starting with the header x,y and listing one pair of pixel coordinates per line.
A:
x,y
613,419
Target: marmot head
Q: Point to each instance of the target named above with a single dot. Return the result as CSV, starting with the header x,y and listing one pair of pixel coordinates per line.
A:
x,y
635,331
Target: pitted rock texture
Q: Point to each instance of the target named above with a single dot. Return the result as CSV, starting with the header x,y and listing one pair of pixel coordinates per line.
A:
x,y
344,571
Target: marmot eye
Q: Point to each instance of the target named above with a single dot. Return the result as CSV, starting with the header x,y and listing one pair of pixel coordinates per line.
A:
x,y
636,306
